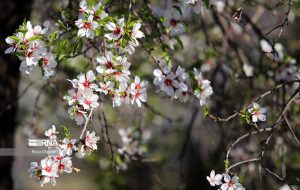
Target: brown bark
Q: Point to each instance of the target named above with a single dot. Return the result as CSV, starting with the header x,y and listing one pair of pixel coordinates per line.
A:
x,y
11,16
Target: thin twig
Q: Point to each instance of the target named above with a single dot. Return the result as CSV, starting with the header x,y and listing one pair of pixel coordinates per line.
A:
x,y
292,131
107,133
86,123
243,162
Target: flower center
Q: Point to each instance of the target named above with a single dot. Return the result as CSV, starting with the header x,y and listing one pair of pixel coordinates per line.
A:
x,y
137,95
48,169
138,87
81,10
173,22
87,25
168,82
45,61
70,145
256,112
29,54
109,64
86,84
88,102
118,73
117,31
61,167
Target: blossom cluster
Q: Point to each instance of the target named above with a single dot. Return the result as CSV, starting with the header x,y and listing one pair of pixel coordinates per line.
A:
x,y
113,74
224,181
88,19
29,45
118,34
175,14
59,158
180,85
82,98
133,144
113,80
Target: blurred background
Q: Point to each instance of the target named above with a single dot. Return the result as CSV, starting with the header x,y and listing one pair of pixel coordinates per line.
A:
x,y
184,145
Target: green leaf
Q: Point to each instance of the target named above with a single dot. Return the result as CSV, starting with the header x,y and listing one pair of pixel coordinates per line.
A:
x,y
226,164
178,9
15,38
206,2
78,47
206,111
35,38
179,42
166,56
66,132
61,24
53,36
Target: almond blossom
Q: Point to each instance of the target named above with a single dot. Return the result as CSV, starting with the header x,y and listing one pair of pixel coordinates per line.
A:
x,y
231,183
106,87
107,63
34,31
13,43
49,167
86,81
204,89
88,99
86,27
48,63
126,135
257,112
98,12
136,32
68,145
116,29
121,95
138,91
51,133
196,5
214,179
90,143
82,9
173,22
65,165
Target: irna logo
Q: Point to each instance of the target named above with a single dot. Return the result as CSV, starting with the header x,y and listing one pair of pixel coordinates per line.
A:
x,y
42,142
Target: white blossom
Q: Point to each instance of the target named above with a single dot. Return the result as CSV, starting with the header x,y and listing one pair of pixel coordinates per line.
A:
x,y
257,112
86,27
204,89
68,145
116,30
174,22
51,133
231,183
138,91
214,179
49,167
91,140
65,165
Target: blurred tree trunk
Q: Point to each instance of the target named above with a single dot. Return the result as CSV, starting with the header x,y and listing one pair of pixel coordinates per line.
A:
x,y
11,16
